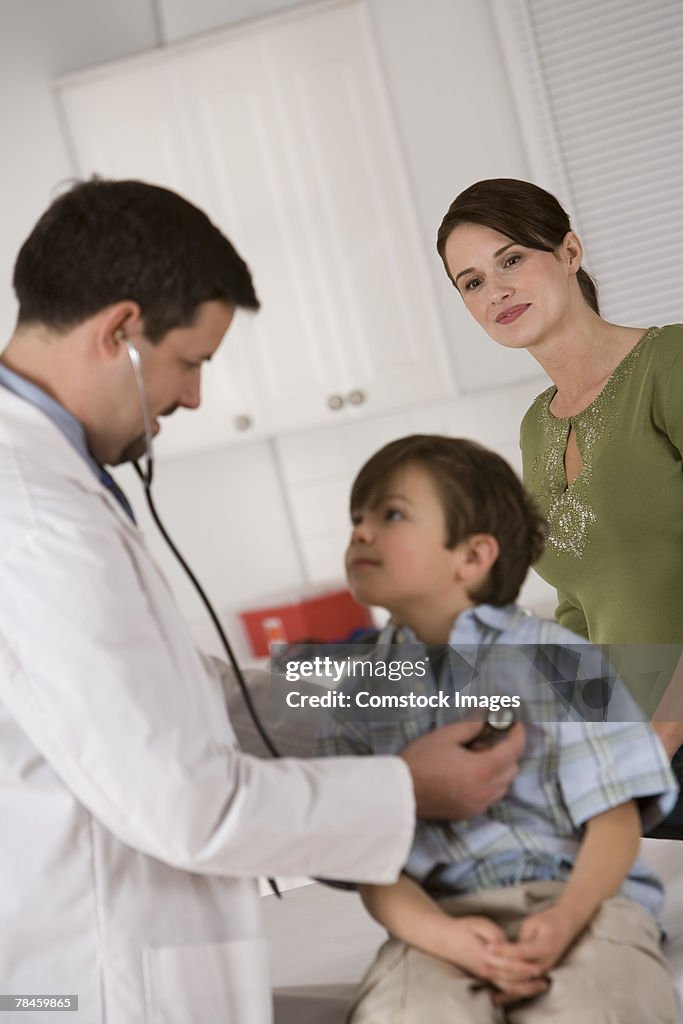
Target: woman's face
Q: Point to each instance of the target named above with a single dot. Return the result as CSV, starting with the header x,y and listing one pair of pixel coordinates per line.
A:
x,y
518,295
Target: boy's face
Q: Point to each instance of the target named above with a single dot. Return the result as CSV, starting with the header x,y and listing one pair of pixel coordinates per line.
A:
x,y
397,557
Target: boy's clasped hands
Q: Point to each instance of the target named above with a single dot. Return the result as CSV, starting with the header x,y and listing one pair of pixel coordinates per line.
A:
x,y
516,969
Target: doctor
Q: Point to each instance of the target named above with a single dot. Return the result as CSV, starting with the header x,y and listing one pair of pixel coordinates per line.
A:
x,y
132,825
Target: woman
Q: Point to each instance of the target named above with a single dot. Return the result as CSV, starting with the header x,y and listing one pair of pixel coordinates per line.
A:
x,y
602,447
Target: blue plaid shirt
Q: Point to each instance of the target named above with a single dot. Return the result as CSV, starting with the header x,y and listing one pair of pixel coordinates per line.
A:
x,y
573,768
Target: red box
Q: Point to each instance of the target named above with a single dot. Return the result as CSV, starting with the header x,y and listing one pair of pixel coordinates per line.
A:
x,y
327,615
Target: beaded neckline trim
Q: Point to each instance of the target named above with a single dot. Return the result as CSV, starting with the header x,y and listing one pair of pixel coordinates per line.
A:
x,y
569,511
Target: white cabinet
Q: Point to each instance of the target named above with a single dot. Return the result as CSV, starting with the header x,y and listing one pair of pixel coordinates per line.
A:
x,y
281,131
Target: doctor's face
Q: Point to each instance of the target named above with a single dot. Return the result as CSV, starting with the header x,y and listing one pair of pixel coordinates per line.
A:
x,y
171,371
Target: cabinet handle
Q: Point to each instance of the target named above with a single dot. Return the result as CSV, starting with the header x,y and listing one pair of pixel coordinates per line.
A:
x,y
356,397
335,402
242,422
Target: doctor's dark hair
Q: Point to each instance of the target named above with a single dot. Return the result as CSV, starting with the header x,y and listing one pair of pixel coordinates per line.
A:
x,y
527,214
480,493
107,241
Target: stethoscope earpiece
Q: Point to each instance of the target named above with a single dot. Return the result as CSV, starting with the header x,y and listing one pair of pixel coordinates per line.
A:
x,y
134,356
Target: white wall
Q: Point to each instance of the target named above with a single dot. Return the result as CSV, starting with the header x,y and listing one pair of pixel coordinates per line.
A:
x,y
242,515
40,40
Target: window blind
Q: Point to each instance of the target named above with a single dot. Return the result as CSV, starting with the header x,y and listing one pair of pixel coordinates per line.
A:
x,y
598,89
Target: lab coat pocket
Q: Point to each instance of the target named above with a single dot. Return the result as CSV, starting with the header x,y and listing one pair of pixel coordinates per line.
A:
x,y
225,983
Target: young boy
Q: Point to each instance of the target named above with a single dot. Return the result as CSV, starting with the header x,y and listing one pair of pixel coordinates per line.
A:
x,y
516,907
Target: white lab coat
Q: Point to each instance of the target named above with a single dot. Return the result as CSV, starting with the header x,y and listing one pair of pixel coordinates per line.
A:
x,y
132,828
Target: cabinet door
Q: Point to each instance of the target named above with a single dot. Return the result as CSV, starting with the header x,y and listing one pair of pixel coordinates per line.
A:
x,y
251,174
123,123
304,162
128,122
359,214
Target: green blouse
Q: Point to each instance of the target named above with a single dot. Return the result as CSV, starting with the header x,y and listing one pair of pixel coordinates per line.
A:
x,y
615,546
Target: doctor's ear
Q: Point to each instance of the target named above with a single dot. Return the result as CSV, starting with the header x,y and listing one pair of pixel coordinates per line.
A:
x,y
113,326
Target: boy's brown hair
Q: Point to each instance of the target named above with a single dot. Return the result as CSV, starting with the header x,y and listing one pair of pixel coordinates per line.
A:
x,y
480,493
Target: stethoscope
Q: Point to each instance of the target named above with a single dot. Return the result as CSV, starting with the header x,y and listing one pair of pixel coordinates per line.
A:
x,y
146,475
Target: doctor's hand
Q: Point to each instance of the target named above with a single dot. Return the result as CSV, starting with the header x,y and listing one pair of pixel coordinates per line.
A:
x,y
453,783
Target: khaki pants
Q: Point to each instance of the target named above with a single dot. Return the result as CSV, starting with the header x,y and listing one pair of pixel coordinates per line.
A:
x,y
614,973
